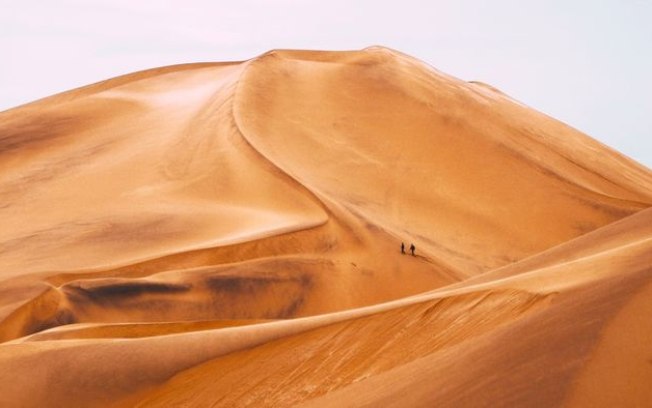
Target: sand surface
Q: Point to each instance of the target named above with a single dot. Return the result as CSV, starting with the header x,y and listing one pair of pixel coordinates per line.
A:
x,y
228,234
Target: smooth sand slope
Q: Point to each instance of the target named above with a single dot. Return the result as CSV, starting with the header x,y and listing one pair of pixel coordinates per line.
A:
x,y
228,234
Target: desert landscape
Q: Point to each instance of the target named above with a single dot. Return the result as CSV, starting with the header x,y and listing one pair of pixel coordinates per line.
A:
x,y
229,234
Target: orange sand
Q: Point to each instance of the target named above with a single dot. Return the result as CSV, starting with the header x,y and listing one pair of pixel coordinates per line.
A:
x,y
228,234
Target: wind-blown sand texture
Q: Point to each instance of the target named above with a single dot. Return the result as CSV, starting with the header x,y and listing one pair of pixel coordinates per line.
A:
x,y
228,234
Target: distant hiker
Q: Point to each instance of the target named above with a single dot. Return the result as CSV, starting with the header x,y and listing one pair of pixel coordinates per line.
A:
x,y
412,248
402,247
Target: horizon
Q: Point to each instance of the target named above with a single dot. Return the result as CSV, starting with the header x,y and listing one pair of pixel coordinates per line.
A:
x,y
600,87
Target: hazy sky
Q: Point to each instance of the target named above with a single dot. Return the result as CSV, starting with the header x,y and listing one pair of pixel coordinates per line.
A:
x,y
587,63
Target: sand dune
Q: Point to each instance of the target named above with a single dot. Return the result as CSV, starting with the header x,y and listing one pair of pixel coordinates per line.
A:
x,y
228,234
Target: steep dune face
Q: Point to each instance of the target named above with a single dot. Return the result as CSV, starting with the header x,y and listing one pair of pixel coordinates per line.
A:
x,y
470,175
230,234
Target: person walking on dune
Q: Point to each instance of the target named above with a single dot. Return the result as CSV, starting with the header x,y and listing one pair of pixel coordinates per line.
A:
x,y
402,247
412,249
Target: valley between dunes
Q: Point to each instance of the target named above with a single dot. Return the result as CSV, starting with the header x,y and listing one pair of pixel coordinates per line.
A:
x,y
228,234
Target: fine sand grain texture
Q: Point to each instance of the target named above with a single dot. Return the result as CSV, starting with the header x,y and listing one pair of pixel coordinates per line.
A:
x,y
228,234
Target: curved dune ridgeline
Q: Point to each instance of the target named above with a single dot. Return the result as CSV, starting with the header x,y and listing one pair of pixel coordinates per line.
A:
x,y
228,234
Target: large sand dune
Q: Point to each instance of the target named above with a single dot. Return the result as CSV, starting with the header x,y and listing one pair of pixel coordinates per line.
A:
x,y
228,234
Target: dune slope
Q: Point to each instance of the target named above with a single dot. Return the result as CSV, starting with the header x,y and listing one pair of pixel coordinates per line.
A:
x,y
229,234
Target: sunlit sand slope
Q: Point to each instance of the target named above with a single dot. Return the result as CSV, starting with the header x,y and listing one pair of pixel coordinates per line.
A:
x,y
228,234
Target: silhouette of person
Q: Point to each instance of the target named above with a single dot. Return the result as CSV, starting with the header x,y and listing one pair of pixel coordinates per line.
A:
x,y
412,248
402,247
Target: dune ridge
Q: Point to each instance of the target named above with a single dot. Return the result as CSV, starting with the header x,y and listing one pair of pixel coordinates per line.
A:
x,y
229,233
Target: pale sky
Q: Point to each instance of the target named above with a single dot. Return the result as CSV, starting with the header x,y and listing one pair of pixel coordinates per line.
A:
x,y
587,63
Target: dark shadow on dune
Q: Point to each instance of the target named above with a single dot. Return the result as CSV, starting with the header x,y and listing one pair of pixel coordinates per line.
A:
x,y
127,290
250,284
289,294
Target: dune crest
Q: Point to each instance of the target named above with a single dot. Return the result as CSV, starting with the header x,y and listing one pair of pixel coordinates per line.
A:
x,y
229,233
